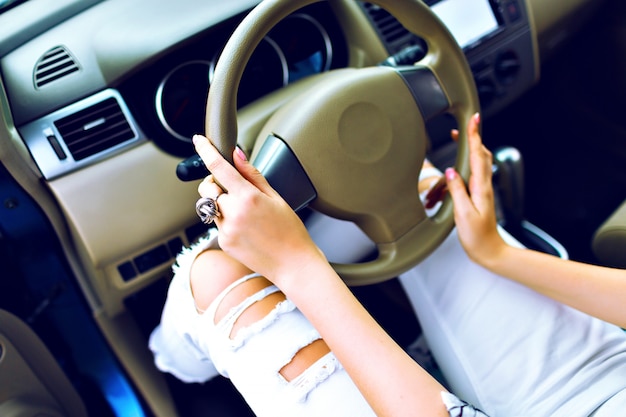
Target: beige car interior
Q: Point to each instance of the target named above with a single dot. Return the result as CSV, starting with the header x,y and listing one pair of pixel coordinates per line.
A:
x,y
150,211
32,382
610,239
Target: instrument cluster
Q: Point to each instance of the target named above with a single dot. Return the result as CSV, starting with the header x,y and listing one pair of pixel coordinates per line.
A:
x,y
299,46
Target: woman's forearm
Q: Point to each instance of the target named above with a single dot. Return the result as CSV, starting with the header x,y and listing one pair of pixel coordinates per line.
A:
x,y
595,290
388,378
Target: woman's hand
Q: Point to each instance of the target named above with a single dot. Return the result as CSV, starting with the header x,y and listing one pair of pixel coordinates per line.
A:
x,y
474,212
256,226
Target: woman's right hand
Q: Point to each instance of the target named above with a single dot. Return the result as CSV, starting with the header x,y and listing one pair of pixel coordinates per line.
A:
x,y
256,226
474,210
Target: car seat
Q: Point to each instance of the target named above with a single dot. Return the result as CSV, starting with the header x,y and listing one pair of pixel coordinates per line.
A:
x,y
609,241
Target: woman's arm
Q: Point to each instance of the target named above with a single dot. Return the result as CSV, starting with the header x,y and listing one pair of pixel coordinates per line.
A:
x,y
390,380
596,290
259,229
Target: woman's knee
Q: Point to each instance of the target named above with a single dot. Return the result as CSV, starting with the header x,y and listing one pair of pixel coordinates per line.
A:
x,y
211,272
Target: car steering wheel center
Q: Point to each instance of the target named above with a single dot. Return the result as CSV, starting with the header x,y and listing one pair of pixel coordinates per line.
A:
x,y
365,132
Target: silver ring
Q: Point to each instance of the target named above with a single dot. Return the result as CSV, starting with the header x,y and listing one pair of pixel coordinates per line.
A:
x,y
207,209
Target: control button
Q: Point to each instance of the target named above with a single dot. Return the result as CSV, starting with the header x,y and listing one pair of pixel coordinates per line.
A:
x,y
487,91
513,11
152,258
507,66
175,246
54,142
480,66
127,271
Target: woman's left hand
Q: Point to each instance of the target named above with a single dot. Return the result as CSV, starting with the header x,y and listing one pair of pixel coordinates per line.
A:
x,y
474,208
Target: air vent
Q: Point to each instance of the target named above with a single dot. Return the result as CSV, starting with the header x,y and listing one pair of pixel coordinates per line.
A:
x,y
95,129
53,65
393,34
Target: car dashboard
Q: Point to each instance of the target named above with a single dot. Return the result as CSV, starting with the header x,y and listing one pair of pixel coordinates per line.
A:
x,y
100,101
107,115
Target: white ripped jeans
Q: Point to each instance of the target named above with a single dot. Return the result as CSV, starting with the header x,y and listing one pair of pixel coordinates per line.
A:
x,y
502,347
253,358
194,348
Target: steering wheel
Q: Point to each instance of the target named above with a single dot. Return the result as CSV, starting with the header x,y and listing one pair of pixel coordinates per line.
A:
x,y
353,145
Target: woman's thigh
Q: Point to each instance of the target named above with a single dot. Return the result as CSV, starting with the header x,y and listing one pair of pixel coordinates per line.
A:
x,y
274,356
508,349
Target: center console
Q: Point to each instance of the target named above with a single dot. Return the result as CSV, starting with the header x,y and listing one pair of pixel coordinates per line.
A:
x,y
495,35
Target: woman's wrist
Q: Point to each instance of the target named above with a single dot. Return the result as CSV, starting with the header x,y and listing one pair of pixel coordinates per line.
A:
x,y
494,254
300,263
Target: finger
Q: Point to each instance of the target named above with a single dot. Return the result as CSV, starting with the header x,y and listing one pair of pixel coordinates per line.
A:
x,y
474,140
208,188
480,166
207,180
454,134
458,192
250,173
456,187
436,193
223,172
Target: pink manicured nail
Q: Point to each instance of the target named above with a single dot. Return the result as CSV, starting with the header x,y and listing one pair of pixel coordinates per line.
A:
x,y
240,154
477,118
450,173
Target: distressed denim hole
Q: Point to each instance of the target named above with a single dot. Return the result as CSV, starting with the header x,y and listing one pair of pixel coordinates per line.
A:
x,y
304,358
253,313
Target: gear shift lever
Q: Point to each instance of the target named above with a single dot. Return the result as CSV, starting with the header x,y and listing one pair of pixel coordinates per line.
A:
x,y
510,183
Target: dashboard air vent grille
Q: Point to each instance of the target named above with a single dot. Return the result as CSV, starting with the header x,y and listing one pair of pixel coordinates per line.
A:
x,y
393,34
53,65
95,129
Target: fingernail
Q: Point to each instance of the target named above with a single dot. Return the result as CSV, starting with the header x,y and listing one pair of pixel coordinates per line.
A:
x,y
450,174
195,139
241,154
477,118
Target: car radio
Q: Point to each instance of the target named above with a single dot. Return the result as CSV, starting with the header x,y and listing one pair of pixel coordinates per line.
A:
x,y
495,36
469,21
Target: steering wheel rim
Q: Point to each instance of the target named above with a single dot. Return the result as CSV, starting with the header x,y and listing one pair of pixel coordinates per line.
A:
x,y
398,250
